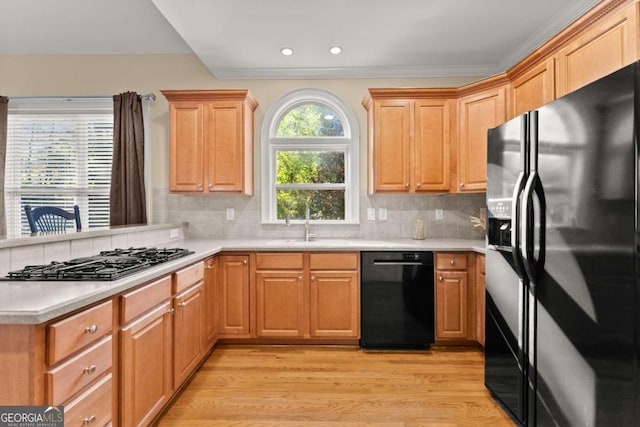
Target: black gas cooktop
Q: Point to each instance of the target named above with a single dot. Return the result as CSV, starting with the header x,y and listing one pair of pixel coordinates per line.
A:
x,y
108,265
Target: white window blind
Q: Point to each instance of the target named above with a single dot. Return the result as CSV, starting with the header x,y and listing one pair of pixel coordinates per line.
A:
x,y
59,152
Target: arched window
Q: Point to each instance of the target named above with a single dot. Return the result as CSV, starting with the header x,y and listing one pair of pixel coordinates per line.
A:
x,y
310,156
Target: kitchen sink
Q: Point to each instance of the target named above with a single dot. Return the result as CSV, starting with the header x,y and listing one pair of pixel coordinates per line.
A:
x,y
312,243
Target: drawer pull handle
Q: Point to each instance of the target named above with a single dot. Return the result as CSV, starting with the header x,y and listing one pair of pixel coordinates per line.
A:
x,y
452,262
91,329
89,420
89,369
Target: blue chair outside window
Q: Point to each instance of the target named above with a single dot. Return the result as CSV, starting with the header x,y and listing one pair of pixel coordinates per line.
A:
x,y
51,218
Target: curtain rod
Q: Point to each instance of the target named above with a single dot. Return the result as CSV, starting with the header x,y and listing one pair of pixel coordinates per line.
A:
x,y
147,97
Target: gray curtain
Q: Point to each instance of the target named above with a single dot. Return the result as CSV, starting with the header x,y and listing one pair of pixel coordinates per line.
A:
x,y
127,201
4,108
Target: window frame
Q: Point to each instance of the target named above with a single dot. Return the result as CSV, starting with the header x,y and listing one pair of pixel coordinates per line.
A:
x,y
348,144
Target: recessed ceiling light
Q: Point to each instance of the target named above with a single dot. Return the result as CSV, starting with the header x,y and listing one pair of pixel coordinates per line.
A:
x,y
286,51
335,50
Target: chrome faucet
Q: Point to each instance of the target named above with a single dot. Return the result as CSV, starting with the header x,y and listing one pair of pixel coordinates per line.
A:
x,y
307,236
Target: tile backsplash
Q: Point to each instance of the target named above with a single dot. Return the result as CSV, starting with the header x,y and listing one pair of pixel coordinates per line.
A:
x,y
206,216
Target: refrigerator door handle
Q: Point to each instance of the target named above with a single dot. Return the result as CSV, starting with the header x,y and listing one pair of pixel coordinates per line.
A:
x,y
534,266
516,226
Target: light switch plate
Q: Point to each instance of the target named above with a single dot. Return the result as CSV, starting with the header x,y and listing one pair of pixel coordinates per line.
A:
x,y
231,213
382,214
439,214
371,214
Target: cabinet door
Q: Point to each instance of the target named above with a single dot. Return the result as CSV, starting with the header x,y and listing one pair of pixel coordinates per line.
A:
x,y
211,311
146,366
186,147
280,303
451,305
391,143
608,46
334,304
187,335
234,283
225,146
478,113
534,88
480,298
431,145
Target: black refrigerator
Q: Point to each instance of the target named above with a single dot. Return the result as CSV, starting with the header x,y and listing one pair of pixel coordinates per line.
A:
x,y
562,290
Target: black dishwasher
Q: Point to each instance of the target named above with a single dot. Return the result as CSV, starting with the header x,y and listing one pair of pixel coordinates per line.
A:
x,y
396,292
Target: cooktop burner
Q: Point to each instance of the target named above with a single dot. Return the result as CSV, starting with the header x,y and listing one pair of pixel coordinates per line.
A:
x,y
108,265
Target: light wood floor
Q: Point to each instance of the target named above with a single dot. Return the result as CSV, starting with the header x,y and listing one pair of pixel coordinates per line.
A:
x,y
328,386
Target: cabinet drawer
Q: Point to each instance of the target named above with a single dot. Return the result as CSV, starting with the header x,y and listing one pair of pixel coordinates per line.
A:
x,y
279,261
333,261
93,407
75,332
134,303
78,372
188,276
451,261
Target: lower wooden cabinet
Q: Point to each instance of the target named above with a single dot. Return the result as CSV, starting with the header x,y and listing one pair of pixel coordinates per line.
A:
x,y
453,297
146,371
307,295
451,305
334,304
234,295
211,304
279,303
480,298
187,333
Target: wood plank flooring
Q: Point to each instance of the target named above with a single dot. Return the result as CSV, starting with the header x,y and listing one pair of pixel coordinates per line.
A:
x,y
282,386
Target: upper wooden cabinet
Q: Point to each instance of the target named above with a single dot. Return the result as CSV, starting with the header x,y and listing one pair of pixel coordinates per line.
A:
x,y
478,112
533,88
603,48
409,137
211,141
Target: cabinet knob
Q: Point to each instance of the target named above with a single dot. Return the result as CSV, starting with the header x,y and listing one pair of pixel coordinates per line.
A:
x,y
452,262
182,304
210,186
418,185
89,369
91,329
440,279
313,277
407,185
199,186
299,277
171,310
209,267
89,420
244,261
462,184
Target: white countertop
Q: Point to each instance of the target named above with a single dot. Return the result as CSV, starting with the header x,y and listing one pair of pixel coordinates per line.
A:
x,y
34,302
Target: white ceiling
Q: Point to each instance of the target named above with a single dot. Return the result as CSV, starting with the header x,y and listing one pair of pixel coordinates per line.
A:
x,y
242,38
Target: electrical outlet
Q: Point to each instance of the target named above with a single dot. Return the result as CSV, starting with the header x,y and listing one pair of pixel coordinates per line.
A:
x,y
174,233
371,214
231,213
382,214
439,214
